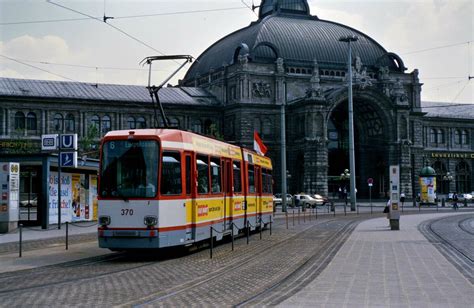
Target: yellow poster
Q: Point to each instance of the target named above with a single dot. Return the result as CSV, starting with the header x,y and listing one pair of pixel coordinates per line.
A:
x,y
76,197
428,189
93,192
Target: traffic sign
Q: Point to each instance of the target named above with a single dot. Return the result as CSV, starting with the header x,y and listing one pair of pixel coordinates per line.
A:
x,y
370,181
49,142
68,159
68,142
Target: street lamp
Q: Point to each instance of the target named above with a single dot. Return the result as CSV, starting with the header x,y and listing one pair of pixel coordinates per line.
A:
x,y
349,39
447,178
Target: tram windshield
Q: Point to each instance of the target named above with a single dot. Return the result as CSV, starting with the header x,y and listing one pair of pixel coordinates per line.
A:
x,y
129,169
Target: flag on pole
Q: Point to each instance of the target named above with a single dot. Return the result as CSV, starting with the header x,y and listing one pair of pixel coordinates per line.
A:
x,y
258,145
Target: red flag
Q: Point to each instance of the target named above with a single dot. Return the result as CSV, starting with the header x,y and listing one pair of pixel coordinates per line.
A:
x,y
258,145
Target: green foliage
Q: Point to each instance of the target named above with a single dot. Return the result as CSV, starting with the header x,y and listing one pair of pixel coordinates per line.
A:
x,y
89,144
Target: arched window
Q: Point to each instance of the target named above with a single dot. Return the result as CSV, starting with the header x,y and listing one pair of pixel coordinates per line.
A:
x,y
58,122
131,123
31,121
70,123
464,137
433,135
196,126
174,122
19,120
440,136
106,124
463,179
141,122
95,121
457,136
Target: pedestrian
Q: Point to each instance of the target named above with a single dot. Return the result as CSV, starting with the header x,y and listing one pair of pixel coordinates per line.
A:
x,y
455,201
402,198
345,195
386,210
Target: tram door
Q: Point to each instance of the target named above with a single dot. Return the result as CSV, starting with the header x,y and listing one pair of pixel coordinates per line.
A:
x,y
258,194
191,213
30,195
226,167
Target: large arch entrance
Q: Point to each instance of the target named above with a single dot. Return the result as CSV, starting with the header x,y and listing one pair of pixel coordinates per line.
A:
x,y
372,137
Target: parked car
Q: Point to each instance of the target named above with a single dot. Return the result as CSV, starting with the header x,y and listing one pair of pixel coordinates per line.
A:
x,y
321,199
307,200
463,197
277,200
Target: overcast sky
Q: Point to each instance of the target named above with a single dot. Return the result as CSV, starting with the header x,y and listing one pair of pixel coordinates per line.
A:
x,y
434,36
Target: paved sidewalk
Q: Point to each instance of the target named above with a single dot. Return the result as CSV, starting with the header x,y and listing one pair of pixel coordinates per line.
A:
x,y
378,267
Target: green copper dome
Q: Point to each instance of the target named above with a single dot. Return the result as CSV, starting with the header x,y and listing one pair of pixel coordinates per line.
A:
x,y
427,171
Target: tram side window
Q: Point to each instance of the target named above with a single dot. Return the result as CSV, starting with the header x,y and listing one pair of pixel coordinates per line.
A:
x,y
251,179
237,177
267,181
188,175
215,176
203,174
171,174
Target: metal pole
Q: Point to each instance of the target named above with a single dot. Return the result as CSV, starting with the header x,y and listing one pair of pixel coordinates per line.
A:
x,y
293,217
370,198
212,242
248,231
21,239
232,236
350,39
283,152
59,182
270,227
67,235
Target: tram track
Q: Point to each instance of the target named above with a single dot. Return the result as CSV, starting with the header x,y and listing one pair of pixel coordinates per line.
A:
x,y
116,278
458,256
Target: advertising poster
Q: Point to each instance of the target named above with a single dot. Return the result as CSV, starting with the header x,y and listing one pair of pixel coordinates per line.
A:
x,y
66,197
76,197
428,189
93,197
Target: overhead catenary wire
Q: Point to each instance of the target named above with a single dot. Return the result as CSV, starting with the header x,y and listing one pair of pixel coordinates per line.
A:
x,y
38,68
121,17
435,48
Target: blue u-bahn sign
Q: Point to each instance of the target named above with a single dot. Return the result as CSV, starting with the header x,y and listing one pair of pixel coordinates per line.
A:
x,y
68,142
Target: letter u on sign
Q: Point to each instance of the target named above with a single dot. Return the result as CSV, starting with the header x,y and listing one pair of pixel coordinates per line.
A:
x,y
69,142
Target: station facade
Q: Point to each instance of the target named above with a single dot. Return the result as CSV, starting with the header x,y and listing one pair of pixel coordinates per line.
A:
x,y
239,84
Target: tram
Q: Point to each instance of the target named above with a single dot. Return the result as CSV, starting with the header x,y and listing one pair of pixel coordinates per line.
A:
x,y
167,187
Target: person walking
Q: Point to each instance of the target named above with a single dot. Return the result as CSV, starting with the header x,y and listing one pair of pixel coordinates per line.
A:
x,y
386,210
455,201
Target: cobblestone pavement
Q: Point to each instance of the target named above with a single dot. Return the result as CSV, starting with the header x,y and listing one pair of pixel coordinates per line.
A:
x,y
182,279
377,267
317,263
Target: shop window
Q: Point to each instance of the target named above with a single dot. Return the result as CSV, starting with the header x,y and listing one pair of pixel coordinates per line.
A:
x,y
58,122
463,179
31,123
70,123
19,120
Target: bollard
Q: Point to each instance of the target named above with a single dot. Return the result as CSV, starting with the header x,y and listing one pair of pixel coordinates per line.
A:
x,y
357,207
293,217
316,213
212,242
299,211
248,231
271,227
437,207
371,211
443,202
67,235
261,228
310,212
304,215
232,236
21,239
286,218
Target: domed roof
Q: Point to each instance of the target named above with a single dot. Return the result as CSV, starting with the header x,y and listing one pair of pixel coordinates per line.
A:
x,y
293,34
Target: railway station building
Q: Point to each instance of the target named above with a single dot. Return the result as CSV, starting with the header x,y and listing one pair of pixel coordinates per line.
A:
x,y
287,57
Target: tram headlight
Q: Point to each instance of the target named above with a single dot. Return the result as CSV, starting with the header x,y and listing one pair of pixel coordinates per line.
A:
x,y
150,221
104,221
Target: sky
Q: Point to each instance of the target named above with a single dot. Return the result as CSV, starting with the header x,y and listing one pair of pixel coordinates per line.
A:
x,y
68,40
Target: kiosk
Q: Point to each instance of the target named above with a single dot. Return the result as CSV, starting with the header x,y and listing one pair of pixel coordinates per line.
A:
x,y
10,196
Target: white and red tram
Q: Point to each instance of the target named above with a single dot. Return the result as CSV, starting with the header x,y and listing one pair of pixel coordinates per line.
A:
x,y
167,187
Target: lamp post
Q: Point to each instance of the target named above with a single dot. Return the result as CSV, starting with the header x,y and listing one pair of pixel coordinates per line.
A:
x,y
447,178
348,39
345,177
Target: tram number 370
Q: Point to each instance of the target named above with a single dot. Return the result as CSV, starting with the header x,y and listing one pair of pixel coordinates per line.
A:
x,y
127,212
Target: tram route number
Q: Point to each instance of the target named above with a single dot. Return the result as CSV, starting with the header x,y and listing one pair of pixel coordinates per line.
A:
x,y
127,212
